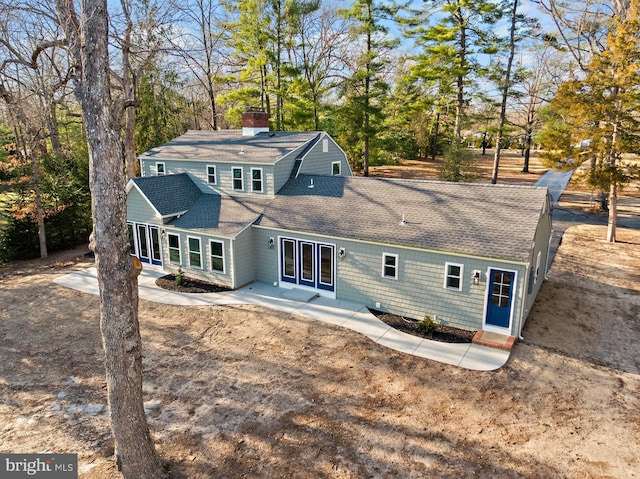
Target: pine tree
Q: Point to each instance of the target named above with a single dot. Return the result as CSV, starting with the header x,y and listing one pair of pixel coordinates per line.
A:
x,y
365,90
602,109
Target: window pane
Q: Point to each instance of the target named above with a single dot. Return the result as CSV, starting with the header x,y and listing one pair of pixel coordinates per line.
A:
x,y
326,265
132,244
217,264
194,252
194,259
174,248
155,244
289,263
307,261
216,248
237,178
390,267
142,239
453,282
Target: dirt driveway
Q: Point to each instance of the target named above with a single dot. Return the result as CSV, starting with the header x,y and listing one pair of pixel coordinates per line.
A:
x,y
247,392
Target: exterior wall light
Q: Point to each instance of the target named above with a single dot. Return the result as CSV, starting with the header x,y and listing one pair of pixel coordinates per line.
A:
x,y
272,242
476,277
342,253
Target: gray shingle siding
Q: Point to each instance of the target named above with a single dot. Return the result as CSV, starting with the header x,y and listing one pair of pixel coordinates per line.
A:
x,y
139,210
317,162
243,254
224,179
205,273
419,289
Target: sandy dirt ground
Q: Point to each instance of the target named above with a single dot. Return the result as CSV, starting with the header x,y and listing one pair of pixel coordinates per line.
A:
x,y
244,391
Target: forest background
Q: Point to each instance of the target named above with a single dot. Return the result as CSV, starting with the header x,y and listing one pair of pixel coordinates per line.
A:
x,y
388,81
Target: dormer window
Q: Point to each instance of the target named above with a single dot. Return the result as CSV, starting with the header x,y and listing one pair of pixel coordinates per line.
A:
x,y
160,169
256,180
237,179
211,174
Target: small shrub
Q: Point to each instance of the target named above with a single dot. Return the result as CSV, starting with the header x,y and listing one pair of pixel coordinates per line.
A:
x,y
427,326
180,277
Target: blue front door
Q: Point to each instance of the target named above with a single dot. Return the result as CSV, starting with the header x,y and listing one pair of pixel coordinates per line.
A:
x,y
500,300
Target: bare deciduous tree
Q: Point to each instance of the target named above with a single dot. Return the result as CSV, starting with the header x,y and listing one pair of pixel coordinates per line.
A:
x,y
87,40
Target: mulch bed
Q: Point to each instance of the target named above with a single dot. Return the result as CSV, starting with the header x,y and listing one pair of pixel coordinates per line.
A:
x,y
190,285
444,334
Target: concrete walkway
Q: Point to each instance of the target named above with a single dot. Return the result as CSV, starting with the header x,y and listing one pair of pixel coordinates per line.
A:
x,y
341,313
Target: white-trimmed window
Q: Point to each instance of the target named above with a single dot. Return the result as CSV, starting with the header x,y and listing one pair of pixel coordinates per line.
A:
x,y
211,174
389,265
453,276
335,168
160,168
256,180
195,252
237,178
217,255
173,242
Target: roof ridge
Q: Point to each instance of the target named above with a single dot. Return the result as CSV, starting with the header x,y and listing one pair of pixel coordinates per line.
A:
x,y
431,181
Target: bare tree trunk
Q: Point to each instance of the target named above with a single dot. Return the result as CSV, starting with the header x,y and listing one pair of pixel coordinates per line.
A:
x,y
42,235
462,59
117,280
129,90
613,213
131,162
54,130
505,93
434,148
527,152
613,189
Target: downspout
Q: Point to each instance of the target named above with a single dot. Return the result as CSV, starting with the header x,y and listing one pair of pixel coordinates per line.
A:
x,y
232,265
524,285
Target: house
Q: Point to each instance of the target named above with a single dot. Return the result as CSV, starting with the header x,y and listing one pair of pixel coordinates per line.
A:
x,y
234,207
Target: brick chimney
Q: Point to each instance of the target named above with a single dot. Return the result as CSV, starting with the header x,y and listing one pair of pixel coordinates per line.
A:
x,y
254,122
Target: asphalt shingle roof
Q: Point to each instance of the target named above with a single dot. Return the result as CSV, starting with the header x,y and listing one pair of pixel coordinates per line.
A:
x,y
231,146
203,212
170,194
477,219
220,215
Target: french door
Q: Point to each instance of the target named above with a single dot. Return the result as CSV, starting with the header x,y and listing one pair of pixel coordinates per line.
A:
x,y
145,243
307,263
